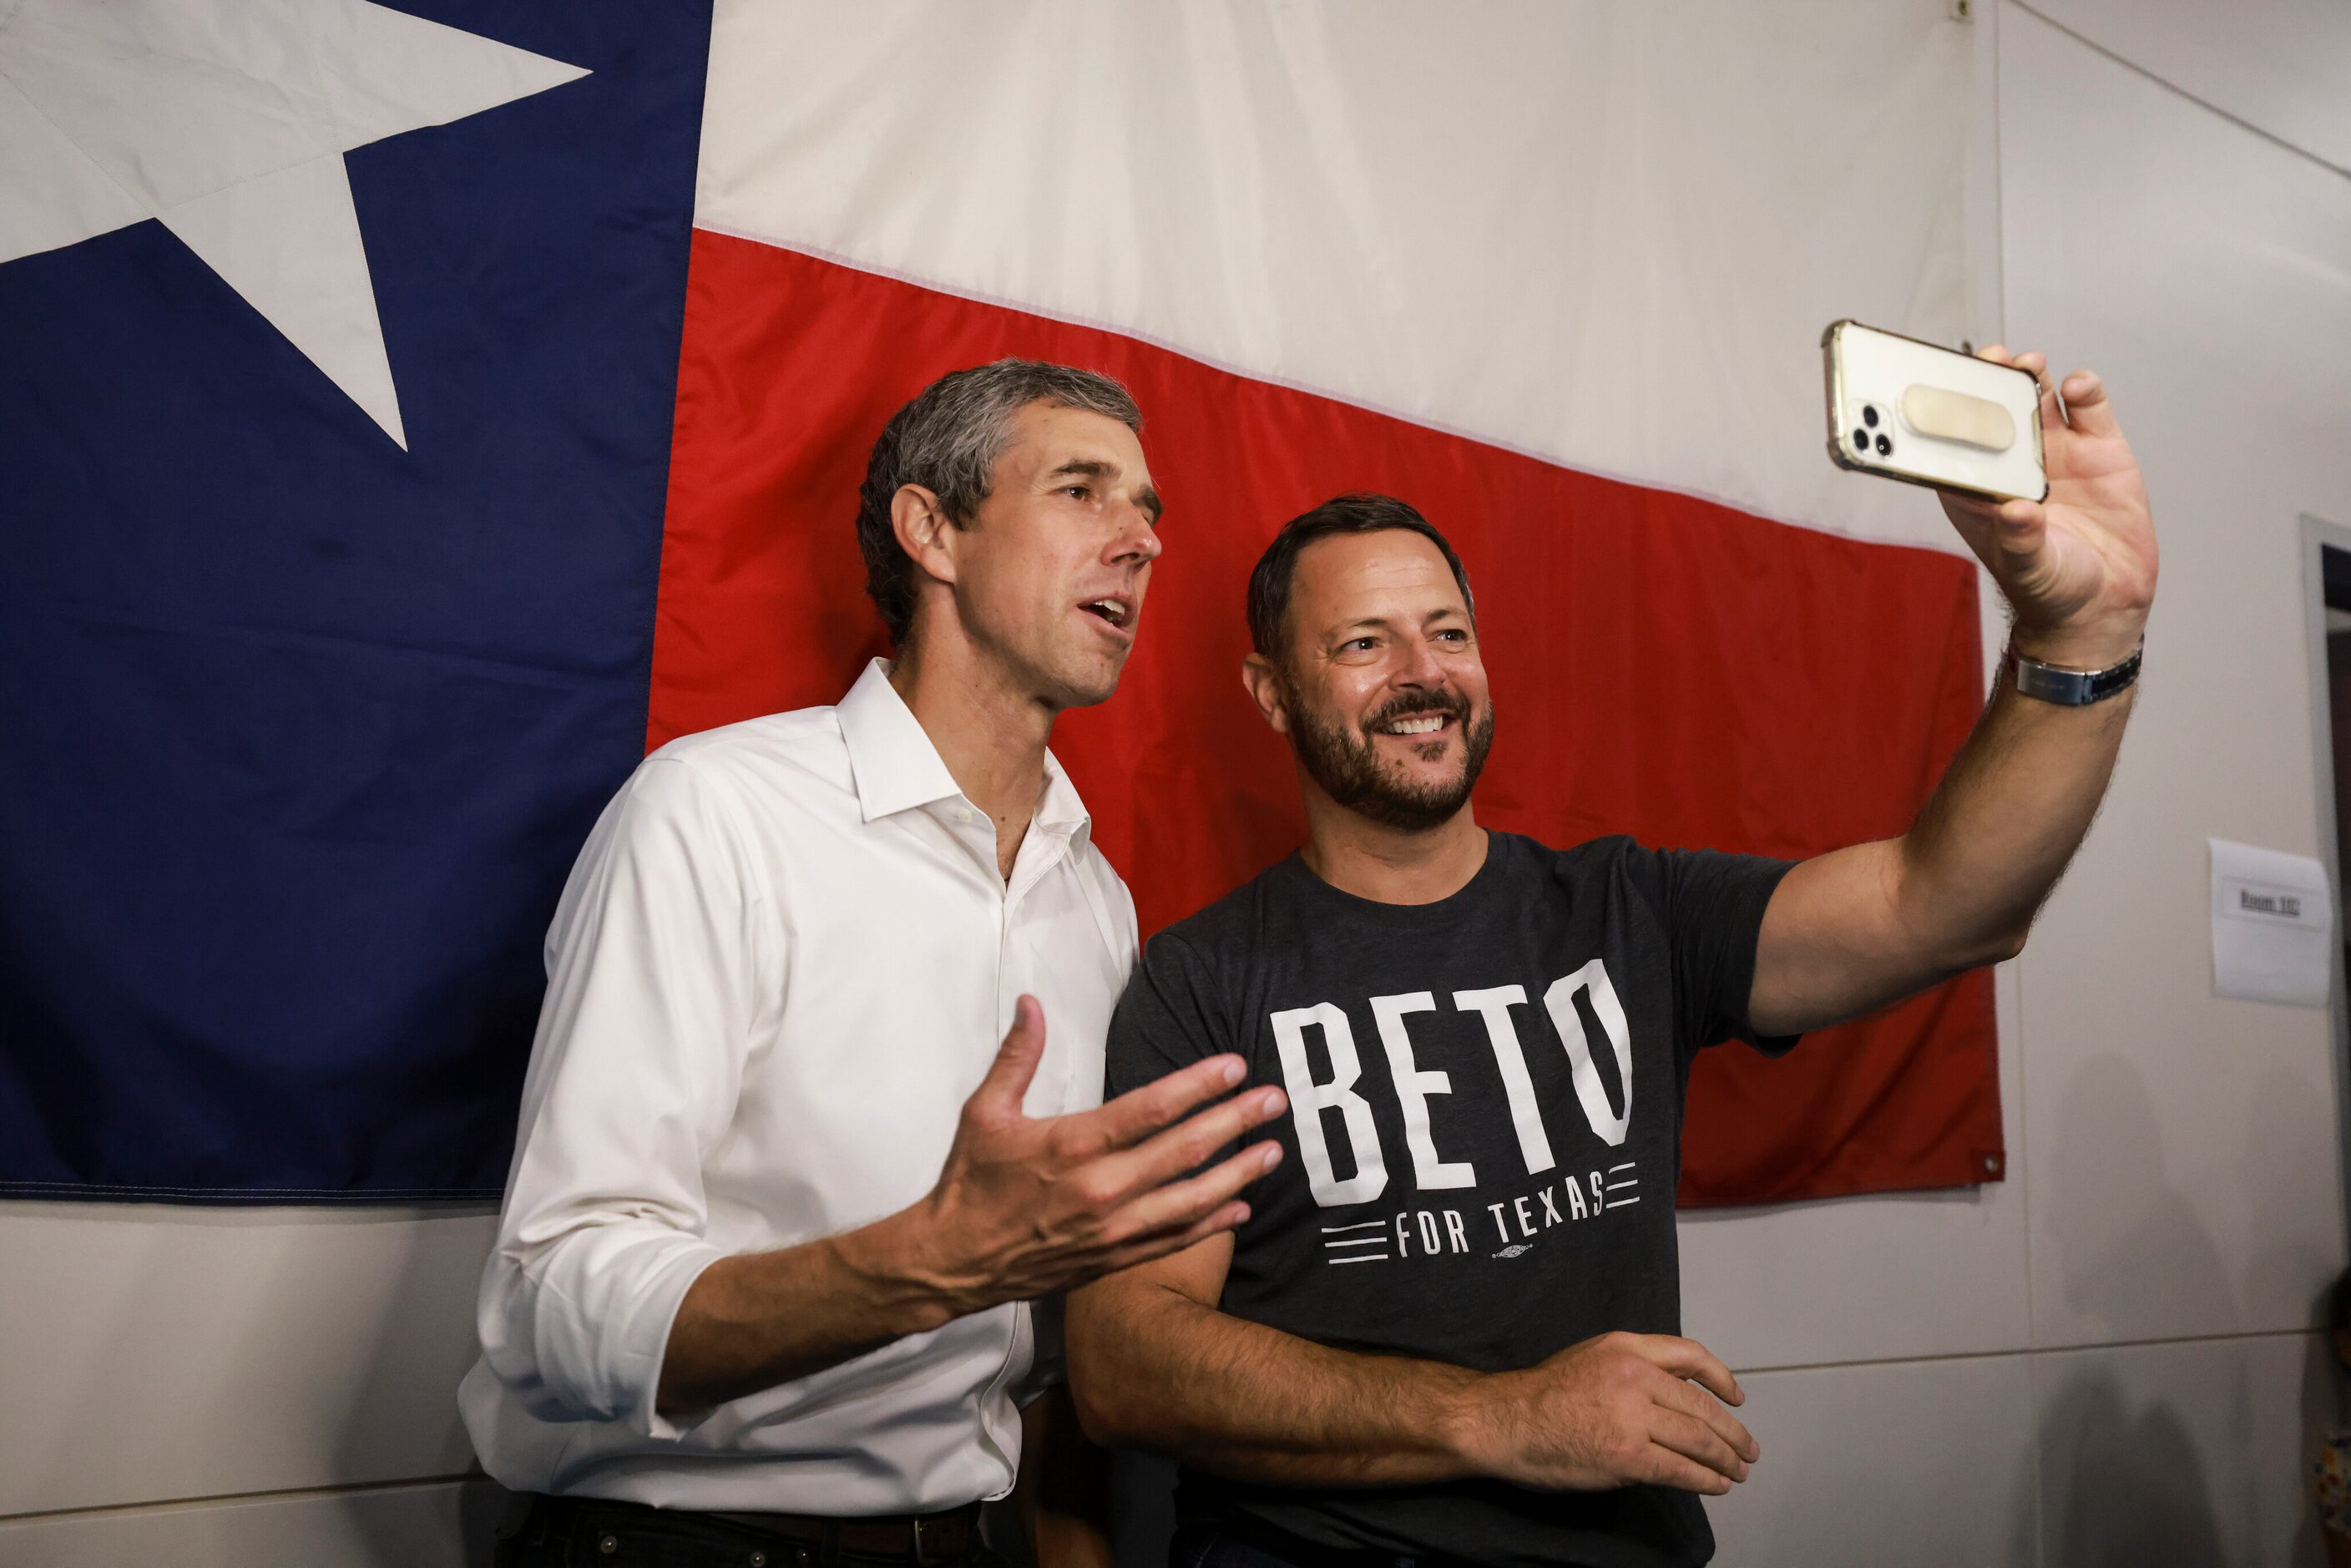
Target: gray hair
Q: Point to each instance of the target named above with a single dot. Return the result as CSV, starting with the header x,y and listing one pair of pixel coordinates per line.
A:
x,y
946,440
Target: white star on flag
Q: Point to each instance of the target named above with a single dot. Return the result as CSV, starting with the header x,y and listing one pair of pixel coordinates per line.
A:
x,y
228,120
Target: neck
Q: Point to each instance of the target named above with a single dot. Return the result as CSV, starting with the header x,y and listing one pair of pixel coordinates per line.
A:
x,y
989,732
1384,864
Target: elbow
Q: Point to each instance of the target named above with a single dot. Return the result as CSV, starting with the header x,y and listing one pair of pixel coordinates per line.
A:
x,y
1098,1418
579,1327
1103,1416
2001,945
1991,948
1957,957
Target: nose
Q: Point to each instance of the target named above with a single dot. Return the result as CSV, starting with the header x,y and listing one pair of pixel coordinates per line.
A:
x,y
1418,663
1136,541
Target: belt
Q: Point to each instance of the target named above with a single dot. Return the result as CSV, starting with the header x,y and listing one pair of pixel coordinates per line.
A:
x,y
603,1524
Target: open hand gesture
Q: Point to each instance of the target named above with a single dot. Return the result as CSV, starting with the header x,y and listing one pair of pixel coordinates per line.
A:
x,y
2078,568
1029,1205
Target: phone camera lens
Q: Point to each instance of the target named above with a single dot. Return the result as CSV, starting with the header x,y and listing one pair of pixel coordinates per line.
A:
x,y
1869,415
1861,442
1885,447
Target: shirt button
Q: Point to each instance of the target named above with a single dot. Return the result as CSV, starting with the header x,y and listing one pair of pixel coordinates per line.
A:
x,y
963,814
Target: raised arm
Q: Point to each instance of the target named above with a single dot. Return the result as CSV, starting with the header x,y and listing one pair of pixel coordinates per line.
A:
x,y
1852,930
1154,1365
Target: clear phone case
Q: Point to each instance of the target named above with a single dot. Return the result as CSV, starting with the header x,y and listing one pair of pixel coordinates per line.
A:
x,y
1931,415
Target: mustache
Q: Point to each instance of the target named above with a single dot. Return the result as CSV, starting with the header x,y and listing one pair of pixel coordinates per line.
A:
x,y
1412,704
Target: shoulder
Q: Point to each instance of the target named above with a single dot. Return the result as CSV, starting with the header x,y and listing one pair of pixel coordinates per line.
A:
x,y
1206,956
781,774
802,741
1223,931
729,786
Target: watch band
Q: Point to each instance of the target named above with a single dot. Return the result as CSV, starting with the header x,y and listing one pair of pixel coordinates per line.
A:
x,y
2075,688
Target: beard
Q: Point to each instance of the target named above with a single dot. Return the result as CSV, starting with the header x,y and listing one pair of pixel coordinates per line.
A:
x,y
1346,760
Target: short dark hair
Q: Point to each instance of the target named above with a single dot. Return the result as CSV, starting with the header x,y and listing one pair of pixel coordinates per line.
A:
x,y
947,439
1358,512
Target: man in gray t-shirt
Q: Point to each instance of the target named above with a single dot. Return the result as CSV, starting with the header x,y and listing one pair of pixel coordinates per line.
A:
x,y
1464,1189
1446,1330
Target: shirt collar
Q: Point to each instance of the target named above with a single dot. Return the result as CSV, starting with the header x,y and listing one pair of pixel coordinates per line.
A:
x,y
1060,811
896,768
892,759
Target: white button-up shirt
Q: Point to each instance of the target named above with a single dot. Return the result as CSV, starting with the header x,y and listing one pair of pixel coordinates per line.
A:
x,y
783,961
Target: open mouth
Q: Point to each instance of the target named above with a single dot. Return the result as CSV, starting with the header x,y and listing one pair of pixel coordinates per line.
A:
x,y
1428,726
1118,613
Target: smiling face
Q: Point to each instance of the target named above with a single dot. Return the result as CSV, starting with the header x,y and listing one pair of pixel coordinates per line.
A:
x,y
1381,689
1048,576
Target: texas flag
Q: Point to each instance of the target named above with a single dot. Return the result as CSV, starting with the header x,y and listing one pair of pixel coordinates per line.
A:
x,y
410,415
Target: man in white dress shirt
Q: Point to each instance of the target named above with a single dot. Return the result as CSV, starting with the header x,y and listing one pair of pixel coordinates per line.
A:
x,y
780,1200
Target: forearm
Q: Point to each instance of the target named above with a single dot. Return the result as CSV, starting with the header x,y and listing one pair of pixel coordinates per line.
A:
x,y
1161,1370
1850,931
2010,813
758,1319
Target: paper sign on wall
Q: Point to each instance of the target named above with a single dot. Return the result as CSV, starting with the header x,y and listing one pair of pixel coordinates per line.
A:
x,y
2272,926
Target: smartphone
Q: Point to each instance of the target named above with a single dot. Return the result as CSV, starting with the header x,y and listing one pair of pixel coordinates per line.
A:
x,y
1911,411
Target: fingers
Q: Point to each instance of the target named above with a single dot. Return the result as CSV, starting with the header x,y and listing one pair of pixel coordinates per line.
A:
x,y
1166,1243
2019,527
2087,408
1699,1406
1180,1203
1009,1076
1693,1438
1191,1144
1661,1466
1688,1358
2032,360
1140,1112
2035,363
2053,407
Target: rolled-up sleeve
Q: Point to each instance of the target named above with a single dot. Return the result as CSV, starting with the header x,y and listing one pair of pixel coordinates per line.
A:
x,y
654,966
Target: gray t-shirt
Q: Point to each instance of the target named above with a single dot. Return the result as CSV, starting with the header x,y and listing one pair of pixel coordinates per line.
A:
x,y
1484,1141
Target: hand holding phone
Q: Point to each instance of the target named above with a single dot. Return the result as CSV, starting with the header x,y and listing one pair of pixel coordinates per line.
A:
x,y
2057,511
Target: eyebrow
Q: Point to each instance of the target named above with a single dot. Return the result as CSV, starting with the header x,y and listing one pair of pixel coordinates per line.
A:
x,y
1094,468
1347,629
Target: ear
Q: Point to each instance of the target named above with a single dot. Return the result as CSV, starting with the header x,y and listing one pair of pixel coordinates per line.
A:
x,y
1264,685
925,531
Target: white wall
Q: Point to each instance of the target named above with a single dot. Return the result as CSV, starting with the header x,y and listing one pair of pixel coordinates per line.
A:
x,y
2103,1360
200,1387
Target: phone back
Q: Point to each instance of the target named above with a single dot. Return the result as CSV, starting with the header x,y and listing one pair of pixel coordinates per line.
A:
x,y
1912,411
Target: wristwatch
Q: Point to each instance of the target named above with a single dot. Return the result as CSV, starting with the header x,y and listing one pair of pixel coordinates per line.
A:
x,y
2075,688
